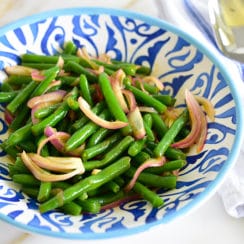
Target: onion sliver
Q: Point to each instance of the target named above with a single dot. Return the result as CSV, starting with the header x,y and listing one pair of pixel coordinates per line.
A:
x,y
44,175
56,140
57,164
86,109
153,162
136,122
196,122
55,96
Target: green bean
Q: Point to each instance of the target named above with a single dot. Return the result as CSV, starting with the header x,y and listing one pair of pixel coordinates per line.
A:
x,y
175,153
141,69
78,69
34,58
136,147
44,112
19,135
149,195
50,75
170,135
158,125
83,133
39,66
101,147
69,48
88,184
112,186
51,120
7,96
149,88
129,69
27,145
25,179
44,191
69,80
21,117
92,65
98,136
147,125
152,180
85,91
30,191
83,120
18,80
111,155
89,205
108,197
21,97
141,157
165,99
72,103
147,99
112,102
6,87
11,151
72,208
169,166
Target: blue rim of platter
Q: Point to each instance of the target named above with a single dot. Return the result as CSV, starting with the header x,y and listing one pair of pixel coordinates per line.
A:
x,y
212,187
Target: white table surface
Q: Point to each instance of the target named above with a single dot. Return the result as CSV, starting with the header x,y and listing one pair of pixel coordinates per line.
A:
x,y
207,224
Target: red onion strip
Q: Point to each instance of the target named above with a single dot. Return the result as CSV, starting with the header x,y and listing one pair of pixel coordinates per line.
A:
x,y
203,134
56,140
37,75
154,162
18,70
57,164
155,81
86,109
196,122
44,175
207,106
147,109
136,122
55,96
116,83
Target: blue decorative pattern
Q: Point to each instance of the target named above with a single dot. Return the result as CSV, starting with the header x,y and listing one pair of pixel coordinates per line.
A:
x,y
178,63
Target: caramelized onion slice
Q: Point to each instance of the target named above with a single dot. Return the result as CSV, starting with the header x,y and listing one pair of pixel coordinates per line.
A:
x,y
86,109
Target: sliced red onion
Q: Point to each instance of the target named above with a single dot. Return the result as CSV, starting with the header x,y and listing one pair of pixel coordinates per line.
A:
x,y
130,98
54,83
155,81
60,62
117,86
196,122
44,175
56,96
19,70
8,117
36,107
37,75
86,109
56,138
207,106
136,122
57,164
153,162
147,109
203,133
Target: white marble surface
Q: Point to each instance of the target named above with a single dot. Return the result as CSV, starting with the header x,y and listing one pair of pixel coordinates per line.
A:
x,y
207,224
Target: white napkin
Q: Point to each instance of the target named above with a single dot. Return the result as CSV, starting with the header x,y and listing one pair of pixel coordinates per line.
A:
x,y
192,16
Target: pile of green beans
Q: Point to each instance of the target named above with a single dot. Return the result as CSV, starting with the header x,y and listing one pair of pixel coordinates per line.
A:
x,y
114,154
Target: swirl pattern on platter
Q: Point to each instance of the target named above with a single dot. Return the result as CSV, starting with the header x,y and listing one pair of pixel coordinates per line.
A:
x,y
176,62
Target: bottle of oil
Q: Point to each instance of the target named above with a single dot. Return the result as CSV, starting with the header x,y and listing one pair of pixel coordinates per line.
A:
x,y
227,17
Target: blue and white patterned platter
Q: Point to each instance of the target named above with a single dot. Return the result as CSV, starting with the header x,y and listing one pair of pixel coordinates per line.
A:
x,y
180,62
